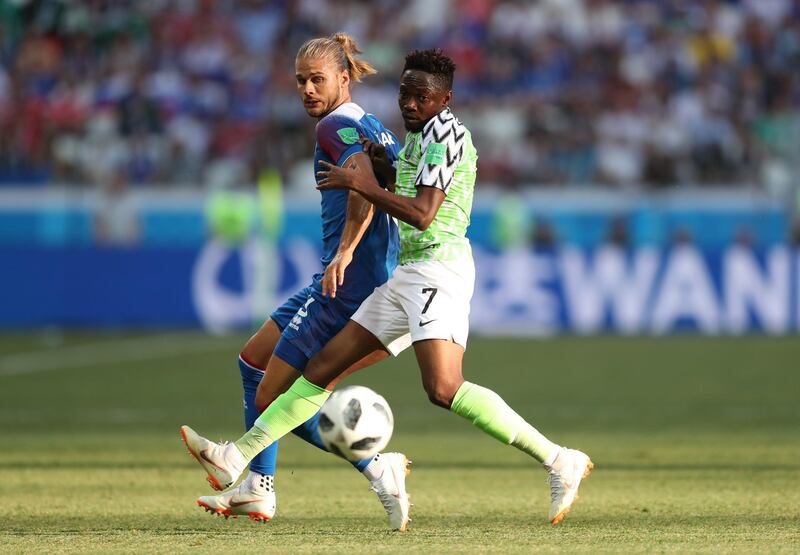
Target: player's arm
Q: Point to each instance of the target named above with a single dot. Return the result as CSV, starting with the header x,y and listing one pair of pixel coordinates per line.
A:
x,y
338,137
358,217
418,211
435,172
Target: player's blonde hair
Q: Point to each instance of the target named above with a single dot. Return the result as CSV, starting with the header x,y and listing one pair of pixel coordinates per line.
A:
x,y
340,48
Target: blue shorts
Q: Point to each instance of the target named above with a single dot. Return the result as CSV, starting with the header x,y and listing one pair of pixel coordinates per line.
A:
x,y
307,321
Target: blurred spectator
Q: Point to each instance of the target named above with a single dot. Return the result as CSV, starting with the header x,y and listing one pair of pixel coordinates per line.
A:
x,y
117,219
628,94
510,222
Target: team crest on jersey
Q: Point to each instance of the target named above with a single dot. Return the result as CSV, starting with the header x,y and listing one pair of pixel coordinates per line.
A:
x,y
349,135
407,152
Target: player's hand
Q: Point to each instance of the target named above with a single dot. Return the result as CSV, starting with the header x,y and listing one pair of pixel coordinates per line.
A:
x,y
334,177
381,165
375,151
334,273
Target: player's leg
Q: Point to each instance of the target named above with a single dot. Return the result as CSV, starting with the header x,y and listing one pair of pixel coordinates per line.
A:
x,y
261,387
253,361
436,298
281,379
223,463
284,367
308,393
379,324
381,312
280,376
437,302
288,358
255,496
440,365
346,349
259,347
283,375
386,471
315,324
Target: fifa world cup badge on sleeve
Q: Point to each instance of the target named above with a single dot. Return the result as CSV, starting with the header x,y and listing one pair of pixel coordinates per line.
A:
x,y
349,135
434,154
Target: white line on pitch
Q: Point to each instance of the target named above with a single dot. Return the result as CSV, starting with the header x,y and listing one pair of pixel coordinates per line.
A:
x,y
107,352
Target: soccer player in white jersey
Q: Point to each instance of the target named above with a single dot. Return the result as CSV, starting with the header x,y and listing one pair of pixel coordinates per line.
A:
x,y
428,295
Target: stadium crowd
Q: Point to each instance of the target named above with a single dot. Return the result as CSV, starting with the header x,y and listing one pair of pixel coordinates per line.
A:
x,y
199,92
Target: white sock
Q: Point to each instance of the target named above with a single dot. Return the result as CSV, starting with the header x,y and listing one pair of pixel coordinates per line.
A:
x,y
259,483
374,469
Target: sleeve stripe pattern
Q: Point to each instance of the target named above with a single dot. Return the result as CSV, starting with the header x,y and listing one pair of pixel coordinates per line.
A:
x,y
446,130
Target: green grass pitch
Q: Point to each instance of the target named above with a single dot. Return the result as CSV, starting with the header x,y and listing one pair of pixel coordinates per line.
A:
x,y
696,444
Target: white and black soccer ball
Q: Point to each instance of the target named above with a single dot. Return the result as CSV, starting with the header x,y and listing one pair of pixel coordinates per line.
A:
x,y
355,423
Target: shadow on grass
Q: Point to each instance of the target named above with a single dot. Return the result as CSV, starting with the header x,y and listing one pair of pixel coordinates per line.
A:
x,y
418,464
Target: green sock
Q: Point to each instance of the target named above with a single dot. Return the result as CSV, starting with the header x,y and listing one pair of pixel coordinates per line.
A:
x,y
287,412
253,442
487,410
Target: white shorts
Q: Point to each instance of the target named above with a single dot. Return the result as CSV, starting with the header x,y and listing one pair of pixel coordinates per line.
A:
x,y
422,300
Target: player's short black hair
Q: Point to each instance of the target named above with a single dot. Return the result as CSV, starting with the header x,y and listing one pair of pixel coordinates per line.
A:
x,y
432,61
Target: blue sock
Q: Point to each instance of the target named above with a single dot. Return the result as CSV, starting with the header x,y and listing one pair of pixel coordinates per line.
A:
x,y
309,432
265,461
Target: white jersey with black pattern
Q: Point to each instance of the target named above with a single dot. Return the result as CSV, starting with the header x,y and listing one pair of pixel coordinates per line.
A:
x,y
441,156
443,145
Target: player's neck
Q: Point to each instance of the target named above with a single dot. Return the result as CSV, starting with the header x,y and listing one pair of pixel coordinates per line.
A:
x,y
343,100
427,121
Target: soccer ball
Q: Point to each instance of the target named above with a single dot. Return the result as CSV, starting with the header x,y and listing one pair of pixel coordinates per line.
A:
x,y
355,423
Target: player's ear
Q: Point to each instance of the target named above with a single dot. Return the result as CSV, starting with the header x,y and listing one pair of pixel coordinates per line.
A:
x,y
447,98
344,78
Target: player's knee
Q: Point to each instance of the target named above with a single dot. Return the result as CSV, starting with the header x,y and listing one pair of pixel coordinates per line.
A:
x,y
313,367
254,355
318,370
258,349
441,394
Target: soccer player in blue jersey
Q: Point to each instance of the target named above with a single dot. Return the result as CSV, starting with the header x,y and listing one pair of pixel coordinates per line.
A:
x,y
360,246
